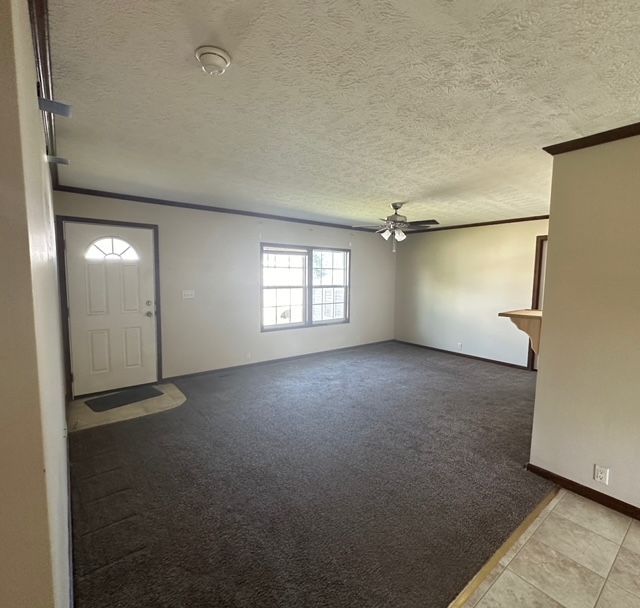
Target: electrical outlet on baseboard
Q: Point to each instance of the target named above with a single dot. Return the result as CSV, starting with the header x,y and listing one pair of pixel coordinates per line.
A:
x,y
601,474
459,345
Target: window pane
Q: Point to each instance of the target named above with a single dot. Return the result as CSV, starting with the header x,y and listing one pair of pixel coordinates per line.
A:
x,y
317,295
338,277
327,295
283,297
338,311
283,315
339,259
317,312
268,297
338,294
297,297
296,314
327,259
326,277
268,316
327,311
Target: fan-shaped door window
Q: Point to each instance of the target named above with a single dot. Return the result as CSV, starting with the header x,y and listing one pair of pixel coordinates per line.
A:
x,y
111,248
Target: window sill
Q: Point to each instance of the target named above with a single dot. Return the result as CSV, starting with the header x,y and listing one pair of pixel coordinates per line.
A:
x,y
266,330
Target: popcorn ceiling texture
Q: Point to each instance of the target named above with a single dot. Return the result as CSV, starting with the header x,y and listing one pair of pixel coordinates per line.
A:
x,y
333,109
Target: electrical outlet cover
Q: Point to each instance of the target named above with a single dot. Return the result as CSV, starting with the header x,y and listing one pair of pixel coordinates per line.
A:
x,y
601,474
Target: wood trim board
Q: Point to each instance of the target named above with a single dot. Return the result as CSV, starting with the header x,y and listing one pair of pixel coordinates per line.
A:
x,y
590,493
465,355
596,139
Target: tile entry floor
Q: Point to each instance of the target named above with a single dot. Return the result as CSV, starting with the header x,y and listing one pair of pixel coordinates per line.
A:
x,y
576,554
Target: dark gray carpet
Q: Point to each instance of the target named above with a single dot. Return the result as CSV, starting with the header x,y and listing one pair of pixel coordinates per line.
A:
x,y
381,476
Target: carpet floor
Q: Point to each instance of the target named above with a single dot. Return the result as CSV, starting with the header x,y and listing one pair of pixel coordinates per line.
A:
x,y
379,476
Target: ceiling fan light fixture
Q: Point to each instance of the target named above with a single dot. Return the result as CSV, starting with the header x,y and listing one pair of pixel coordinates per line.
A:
x,y
400,236
214,61
386,234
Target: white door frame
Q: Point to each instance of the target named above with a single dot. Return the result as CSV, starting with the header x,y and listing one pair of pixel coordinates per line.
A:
x,y
62,278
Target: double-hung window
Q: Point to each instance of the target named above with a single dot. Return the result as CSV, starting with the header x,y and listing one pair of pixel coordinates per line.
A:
x,y
304,286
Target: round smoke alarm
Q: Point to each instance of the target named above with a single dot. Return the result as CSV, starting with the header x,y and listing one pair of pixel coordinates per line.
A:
x,y
213,60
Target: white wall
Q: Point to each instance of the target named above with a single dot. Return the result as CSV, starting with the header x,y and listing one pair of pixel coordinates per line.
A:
x,y
34,566
587,407
218,255
451,285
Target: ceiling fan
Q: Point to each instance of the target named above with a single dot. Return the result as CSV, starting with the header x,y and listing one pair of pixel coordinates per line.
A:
x,y
395,226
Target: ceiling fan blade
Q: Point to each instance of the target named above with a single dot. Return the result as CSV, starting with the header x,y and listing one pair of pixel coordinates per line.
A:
x,y
424,223
371,226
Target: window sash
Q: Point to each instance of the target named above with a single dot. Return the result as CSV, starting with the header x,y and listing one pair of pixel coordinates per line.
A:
x,y
308,287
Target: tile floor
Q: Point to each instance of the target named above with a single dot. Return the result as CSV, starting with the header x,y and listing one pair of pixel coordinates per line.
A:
x,y
576,554
80,416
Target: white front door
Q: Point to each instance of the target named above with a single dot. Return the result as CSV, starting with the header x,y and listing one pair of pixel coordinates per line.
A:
x,y
111,297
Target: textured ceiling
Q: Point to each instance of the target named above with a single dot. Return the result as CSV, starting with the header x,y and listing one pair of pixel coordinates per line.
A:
x,y
333,109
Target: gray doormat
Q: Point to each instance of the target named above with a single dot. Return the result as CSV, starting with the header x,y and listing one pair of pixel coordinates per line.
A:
x,y
130,395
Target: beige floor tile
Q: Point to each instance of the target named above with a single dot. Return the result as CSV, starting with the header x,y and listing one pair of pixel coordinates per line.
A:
x,y
559,577
580,544
485,585
615,597
528,533
632,539
626,571
80,416
510,590
595,517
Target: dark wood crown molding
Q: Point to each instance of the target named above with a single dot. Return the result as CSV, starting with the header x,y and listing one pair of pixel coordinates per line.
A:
x,y
594,140
202,207
267,216
514,220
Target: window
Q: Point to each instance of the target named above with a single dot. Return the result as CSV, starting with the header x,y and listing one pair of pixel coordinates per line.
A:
x,y
304,286
110,248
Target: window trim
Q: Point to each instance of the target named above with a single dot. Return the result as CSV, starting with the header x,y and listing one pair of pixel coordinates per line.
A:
x,y
308,289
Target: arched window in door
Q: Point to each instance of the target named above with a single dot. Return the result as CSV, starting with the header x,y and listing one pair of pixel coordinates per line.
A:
x,y
111,248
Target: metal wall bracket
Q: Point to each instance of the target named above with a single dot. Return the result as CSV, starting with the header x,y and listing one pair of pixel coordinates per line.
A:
x,y
54,107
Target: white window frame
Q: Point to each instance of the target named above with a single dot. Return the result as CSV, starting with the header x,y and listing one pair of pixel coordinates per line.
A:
x,y
307,287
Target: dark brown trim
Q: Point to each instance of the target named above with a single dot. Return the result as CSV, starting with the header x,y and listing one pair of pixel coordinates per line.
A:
x,y
531,218
269,216
268,361
202,207
453,352
594,140
590,493
535,295
39,17
62,283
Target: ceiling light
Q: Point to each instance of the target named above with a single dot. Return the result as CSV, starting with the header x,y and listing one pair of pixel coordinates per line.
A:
x,y
400,236
214,61
386,234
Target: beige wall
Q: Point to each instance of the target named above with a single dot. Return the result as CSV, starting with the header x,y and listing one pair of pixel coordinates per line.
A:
x,y
33,509
587,406
452,284
218,255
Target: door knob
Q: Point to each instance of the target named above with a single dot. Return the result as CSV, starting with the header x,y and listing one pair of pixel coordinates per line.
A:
x,y
148,313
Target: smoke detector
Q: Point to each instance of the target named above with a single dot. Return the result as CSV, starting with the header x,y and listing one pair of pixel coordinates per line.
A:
x,y
214,61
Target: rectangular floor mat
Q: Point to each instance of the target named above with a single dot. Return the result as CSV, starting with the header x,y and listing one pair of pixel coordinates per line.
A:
x,y
130,395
